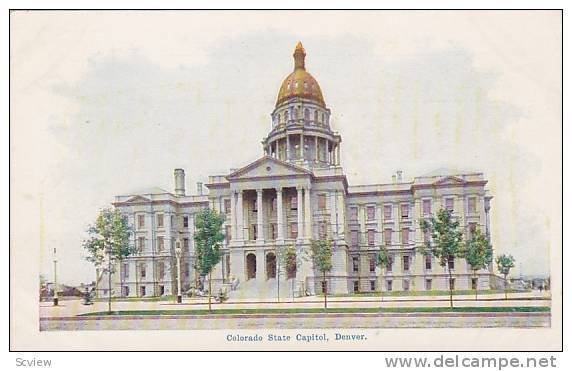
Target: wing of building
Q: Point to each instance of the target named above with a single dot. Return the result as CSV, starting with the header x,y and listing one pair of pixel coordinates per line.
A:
x,y
295,192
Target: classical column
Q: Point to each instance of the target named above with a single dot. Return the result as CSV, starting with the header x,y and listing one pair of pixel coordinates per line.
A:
x,y
239,217
302,146
307,214
315,148
327,157
233,224
299,211
259,216
280,214
287,147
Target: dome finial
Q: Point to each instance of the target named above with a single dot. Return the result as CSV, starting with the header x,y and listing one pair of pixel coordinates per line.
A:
x,y
299,56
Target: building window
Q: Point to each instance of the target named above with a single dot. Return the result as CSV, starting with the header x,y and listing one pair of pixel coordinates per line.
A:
x,y
161,270
185,222
143,271
322,230
428,284
372,285
406,263
324,287
405,285
405,236
389,284
160,221
355,264
371,237
228,233
322,202
426,236
160,244
161,290
450,204
474,283
353,213
254,206
354,238
186,245
371,213
227,206
428,262
274,204
293,230
390,264
387,210
306,111
125,290
372,263
404,211
387,237
125,270
294,203
316,116
141,246
254,232
472,229
356,286
141,221
451,262
426,207
472,205
142,291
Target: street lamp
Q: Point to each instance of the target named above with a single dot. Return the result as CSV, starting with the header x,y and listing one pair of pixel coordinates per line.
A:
x,y
178,253
55,278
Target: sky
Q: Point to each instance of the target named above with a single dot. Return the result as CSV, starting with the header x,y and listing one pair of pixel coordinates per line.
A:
x,y
106,103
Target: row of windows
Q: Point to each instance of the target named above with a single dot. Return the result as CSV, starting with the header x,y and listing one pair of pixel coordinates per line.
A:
x,y
160,221
295,115
141,242
292,201
405,209
142,270
292,231
406,263
407,286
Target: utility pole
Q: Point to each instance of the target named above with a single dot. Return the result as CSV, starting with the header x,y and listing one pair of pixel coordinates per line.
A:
x,y
55,279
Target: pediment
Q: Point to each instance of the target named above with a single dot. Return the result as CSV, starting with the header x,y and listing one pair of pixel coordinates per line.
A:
x,y
268,167
138,199
450,180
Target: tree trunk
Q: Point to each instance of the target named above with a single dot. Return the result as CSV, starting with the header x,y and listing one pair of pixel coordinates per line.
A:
x,y
109,287
450,286
325,292
293,288
476,285
278,276
210,289
505,294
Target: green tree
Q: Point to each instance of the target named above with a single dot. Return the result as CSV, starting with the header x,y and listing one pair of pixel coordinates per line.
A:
x,y
504,265
478,254
287,262
322,257
383,261
445,243
208,240
108,243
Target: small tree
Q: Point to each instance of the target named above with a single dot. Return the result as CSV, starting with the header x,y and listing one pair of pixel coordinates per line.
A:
x,y
109,242
383,261
208,240
504,264
446,242
322,258
287,262
478,254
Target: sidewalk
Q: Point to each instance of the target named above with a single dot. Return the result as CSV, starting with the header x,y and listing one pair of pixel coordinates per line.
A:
x,y
71,308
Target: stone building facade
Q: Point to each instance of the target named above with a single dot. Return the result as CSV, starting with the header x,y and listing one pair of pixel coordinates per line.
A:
x,y
296,192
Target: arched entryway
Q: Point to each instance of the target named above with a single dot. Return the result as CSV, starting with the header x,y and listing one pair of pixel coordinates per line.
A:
x,y
250,266
270,265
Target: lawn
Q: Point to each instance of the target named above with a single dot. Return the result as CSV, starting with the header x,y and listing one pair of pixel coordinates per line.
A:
x,y
322,310
430,293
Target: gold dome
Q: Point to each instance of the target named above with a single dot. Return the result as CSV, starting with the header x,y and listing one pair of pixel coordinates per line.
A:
x,y
300,84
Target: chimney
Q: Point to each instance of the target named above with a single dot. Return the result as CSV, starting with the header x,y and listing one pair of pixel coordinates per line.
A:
x,y
399,176
200,188
179,182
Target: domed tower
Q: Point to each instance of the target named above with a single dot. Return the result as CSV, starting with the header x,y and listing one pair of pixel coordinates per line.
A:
x,y
301,132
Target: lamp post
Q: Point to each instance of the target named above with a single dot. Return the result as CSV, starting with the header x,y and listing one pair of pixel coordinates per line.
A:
x,y
55,278
178,253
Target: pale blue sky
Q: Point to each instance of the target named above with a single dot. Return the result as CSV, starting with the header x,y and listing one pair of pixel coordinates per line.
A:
x,y
114,102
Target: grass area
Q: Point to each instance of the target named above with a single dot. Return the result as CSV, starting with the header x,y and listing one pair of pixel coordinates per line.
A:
x,y
322,310
429,293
